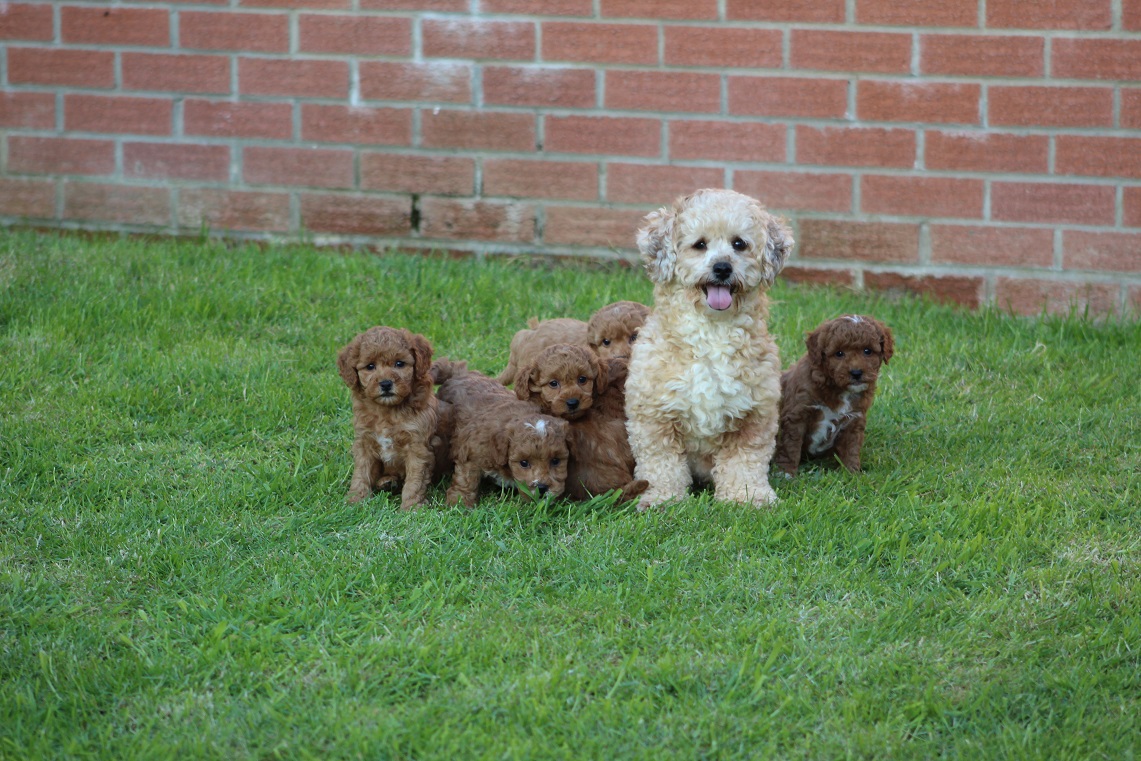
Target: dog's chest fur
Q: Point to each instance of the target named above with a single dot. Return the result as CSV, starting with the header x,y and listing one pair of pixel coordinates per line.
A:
x,y
832,422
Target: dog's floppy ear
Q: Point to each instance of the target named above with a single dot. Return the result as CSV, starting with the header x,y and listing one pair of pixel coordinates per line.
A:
x,y
778,247
887,340
655,244
602,379
815,350
501,446
523,380
421,356
347,363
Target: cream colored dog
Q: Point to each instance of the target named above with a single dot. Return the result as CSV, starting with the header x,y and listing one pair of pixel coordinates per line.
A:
x,y
703,392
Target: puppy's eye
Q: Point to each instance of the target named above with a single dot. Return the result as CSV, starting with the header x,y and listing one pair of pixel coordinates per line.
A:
x,y
581,379
605,341
739,244
555,462
370,366
553,384
839,353
524,464
400,363
633,337
867,352
700,245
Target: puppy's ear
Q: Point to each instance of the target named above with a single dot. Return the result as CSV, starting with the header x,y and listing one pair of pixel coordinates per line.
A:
x,y
655,244
421,356
501,446
887,340
602,379
523,380
815,350
778,247
347,363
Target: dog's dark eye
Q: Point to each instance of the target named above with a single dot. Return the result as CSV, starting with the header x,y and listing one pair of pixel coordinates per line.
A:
x,y
370,366
739,245
524,464
553,384
400,363
555,462
839,354
633,337
700,245
605,341
581,379
867,352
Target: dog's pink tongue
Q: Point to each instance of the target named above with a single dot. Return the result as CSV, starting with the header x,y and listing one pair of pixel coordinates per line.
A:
x,y
718,297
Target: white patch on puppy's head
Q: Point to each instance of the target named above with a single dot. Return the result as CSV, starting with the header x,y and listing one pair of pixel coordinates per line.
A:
x,y
540,427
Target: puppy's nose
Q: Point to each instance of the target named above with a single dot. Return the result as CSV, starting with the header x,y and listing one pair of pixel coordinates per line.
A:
x,y
856,374
542,489
572,404
722,270
386,386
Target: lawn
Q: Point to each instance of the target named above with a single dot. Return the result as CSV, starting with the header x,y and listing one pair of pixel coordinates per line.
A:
x,y
180,575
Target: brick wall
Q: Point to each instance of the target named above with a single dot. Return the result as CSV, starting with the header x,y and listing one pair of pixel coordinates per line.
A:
x,y
976,150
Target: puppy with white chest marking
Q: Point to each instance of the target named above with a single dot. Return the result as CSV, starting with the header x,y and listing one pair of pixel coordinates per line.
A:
x,y
703,389
826,395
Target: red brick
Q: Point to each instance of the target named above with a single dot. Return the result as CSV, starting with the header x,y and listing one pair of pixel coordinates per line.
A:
x,y
1097,156
356,35
806,11
842,278
271,121
298,78
26,22
27,110
921,196
1132,203
114,25
539,7
347,124
55,155
161,161
233,210
595,226
439,82
727,141
659,9
880,52
1049,14
535,86
346,214
663,91
298,167
477,220
435,6
478,39
986,152
477,130
1032,296
308,5
599,43
947,289
1131,15
130,205
27,198
992,246
1050,106
1131,107
603,135
639,183
855,146
865,241
438,175
797,191
526,178
176,73
1096,59
1052,203
918,12
723,47
1116,252
227,30
115,114
978,55
788,96
63,68
932,102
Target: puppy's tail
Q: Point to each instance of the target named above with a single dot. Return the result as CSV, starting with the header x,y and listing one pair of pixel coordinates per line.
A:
x,y
444,369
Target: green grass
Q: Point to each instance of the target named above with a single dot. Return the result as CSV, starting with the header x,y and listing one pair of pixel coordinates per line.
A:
x,y
180,576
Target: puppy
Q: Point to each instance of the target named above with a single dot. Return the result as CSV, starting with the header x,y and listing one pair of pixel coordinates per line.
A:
x,y
826,395
610,332
613,328
498,435
703,391
397,422
575,384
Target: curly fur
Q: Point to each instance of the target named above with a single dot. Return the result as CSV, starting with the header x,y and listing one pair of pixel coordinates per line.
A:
x,y
526,344
399,428
703,391
613,329
826,395
498,435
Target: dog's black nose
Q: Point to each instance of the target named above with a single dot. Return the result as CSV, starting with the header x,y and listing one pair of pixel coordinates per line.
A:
x,y
542,489
856,374
722,270
386,385
572,404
